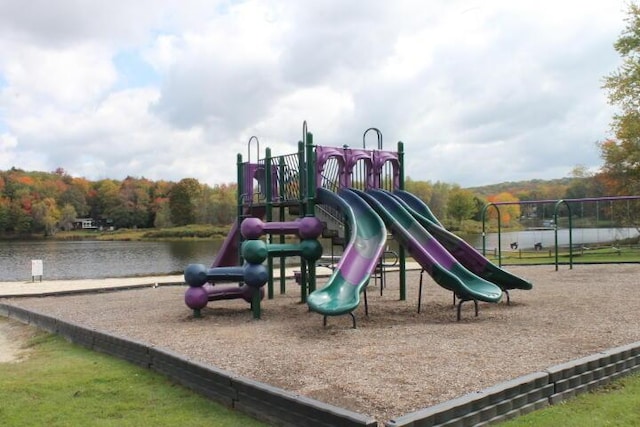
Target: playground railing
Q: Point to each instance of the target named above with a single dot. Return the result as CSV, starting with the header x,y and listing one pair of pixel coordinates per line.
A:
x,y
285,180
329,214
288,177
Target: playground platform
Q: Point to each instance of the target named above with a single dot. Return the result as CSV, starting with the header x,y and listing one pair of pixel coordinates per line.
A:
x,y
62,287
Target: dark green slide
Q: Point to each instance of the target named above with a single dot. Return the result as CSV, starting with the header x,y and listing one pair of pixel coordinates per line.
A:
x,y
429,253
466,254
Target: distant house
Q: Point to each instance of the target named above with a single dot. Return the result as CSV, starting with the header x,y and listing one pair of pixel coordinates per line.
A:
x,y
84,224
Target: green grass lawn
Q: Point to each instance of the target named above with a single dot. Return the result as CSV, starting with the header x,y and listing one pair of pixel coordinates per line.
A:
x,y
611,255
62,384
617,404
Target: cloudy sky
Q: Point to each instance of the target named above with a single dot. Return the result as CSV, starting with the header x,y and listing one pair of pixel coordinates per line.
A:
x,y
480,91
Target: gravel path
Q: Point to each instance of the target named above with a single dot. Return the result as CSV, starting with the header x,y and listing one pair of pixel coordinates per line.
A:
x,y
397,360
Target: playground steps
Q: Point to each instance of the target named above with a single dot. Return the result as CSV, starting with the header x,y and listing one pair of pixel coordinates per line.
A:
x,y
334,228
332,235
294,210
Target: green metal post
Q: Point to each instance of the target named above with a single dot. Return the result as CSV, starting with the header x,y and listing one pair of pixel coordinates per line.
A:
x,y
303,280
555,234
311,199
401,164
555,227
281,217
255,303
283,266
402,255
267,177
499,239
240,192
302,168
311,177
484,232
571,236
268,215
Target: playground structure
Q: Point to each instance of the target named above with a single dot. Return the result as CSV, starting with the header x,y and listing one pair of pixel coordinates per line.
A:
x,y
354,196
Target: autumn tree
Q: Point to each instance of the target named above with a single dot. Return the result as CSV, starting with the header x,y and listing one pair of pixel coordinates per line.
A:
x,y
45,214
134,207
103,198
67,217
508,212
160,212
75,194
421,189
461,204
17,189
162,217
223,200
4,214
20,219
183,201
439,197
622,155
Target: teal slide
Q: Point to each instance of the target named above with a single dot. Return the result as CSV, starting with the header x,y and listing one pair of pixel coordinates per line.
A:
x,y
368,236
466,254
429,253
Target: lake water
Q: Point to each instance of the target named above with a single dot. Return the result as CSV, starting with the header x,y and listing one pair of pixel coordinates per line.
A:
x,y
98,259
527,239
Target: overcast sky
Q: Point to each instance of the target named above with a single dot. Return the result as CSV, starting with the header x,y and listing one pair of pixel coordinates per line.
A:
x,y
480,92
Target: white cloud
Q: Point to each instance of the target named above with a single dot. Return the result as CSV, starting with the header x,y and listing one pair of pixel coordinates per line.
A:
x,y
58,78
480,92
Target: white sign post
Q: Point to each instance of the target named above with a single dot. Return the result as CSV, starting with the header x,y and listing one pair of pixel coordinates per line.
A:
x,y
36,269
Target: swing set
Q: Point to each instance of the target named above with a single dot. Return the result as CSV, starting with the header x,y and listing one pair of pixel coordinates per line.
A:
x,y
558,204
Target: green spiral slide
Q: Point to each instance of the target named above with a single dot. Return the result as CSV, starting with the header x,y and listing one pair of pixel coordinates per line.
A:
x,y
341,295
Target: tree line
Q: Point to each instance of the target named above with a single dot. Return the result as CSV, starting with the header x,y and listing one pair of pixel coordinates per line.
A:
x,y
47,202
33,202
